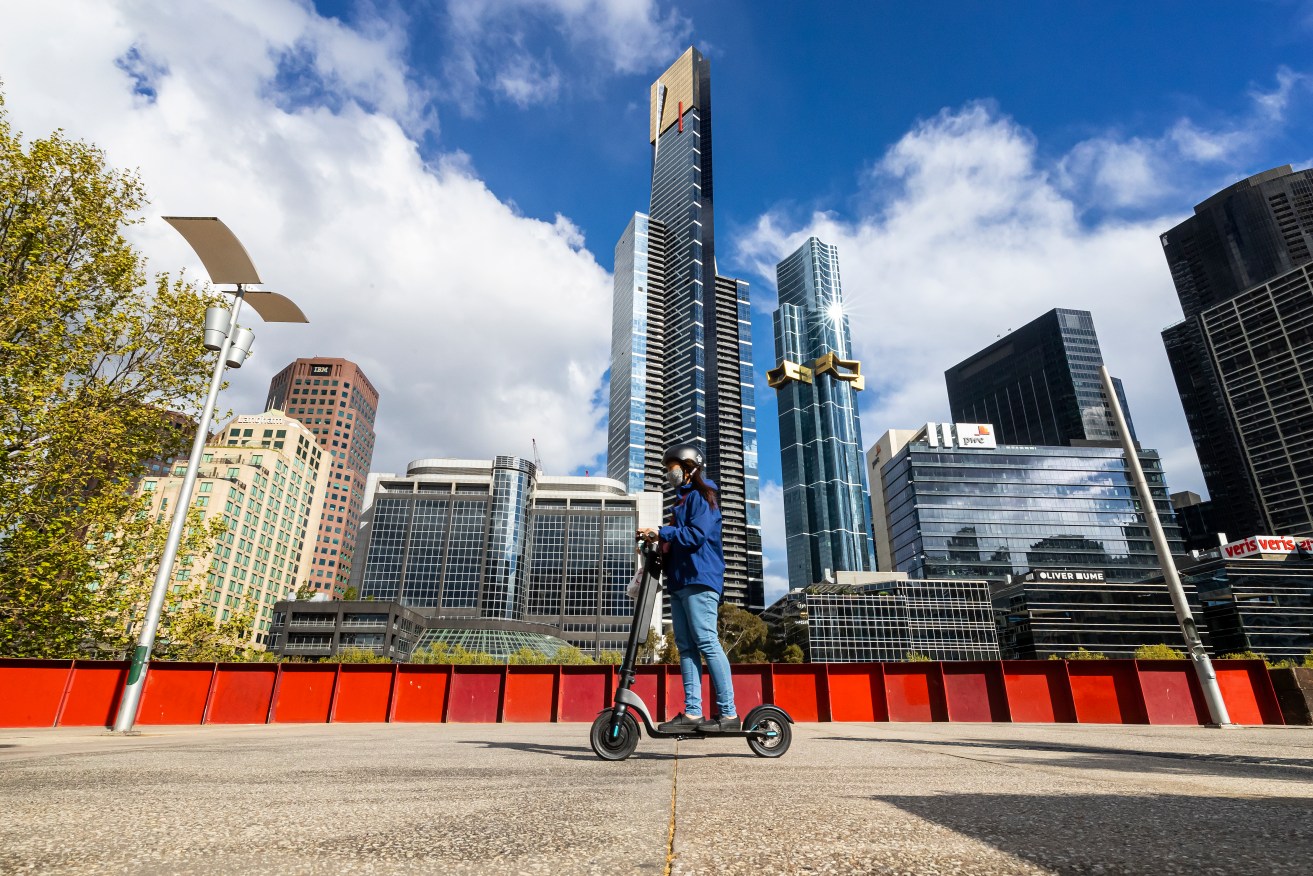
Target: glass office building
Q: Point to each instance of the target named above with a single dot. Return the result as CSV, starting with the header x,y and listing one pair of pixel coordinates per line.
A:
x,y
895,619
1239,355
816,380
1259,605
681,349
949,511
1039,384
476,545
1050,613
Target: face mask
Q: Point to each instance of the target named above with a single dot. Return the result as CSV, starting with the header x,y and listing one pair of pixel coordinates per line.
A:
x,y
675,477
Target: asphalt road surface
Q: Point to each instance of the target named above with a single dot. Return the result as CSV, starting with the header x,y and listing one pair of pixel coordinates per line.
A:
x,y
531,798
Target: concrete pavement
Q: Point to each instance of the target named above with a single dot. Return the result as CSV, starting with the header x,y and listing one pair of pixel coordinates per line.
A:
x,y
532,798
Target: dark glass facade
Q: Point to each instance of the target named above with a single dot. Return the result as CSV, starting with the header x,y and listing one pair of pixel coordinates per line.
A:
x,y
816,380
1038,619
681,350
473,545
1253,235
995,513
1039,384
1265,606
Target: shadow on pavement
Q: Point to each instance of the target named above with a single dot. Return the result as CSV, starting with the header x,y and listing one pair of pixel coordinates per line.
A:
x,y
582,752
1093,756
1095,833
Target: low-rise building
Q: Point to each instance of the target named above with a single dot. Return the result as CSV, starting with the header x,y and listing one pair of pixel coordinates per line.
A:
x,y
326,627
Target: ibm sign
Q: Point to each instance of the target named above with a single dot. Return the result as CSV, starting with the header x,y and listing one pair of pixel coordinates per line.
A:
x,y
321,370
970,436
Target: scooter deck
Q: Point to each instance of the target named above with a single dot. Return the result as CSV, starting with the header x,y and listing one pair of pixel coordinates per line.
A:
x,y
719,734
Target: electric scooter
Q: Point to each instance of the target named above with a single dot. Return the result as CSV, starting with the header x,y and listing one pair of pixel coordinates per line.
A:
x,y
615,732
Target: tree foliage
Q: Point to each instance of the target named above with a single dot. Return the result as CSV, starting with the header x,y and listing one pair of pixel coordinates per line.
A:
x,y
1080,654
1158,651
92,355
742,634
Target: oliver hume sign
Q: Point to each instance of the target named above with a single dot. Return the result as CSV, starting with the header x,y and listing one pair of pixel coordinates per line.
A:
x,y
1266,544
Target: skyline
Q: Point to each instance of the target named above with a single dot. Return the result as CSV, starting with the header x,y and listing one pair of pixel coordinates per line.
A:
x,y
1036,171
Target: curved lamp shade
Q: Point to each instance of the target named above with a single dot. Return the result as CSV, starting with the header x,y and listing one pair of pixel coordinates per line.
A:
x,y
223,255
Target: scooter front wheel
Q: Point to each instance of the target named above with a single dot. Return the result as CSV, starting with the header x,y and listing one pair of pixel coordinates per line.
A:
x,y
614,743
773,724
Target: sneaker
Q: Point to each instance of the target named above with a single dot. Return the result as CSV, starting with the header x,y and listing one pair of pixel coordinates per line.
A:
x,y
681,723
720,725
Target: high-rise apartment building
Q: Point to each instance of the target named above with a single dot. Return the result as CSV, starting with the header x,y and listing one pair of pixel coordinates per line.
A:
x,y
1039,384
265,476
337,403
1241,267
496,547
681,353
816,380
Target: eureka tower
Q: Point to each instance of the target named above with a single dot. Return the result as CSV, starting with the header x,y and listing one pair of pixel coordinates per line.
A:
x,y
681,343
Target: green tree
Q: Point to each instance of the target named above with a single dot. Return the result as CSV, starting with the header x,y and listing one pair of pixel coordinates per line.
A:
x,y
358,655
351,593
1080,654
1158,652
92,355
917,657
649,649
441,652
668,652
742,634
792,654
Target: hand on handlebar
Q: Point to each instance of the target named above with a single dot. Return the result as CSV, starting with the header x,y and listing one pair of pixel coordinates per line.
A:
x,y
646,534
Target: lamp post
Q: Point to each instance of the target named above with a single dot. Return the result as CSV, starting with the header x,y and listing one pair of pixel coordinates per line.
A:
x,y
1202,665
227,263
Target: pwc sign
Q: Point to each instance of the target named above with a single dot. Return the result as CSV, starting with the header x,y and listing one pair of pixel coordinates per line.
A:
x,y
975,435
1265,544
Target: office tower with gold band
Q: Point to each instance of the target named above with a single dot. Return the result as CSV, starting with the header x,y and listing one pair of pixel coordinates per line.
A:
x,y
681,352
827,514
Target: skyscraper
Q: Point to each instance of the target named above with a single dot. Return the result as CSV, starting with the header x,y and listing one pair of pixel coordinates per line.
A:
x,y
1241,267
1039,384
681,352
826,507
337,403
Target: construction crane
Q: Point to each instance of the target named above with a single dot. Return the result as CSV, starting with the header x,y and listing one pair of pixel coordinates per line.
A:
x,y
537,460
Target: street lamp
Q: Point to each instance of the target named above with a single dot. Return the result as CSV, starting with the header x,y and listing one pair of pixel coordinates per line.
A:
x,y
1198,656
227,263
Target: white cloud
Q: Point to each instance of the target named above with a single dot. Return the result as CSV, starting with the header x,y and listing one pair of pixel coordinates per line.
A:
x,y
497,44
482,328
970,236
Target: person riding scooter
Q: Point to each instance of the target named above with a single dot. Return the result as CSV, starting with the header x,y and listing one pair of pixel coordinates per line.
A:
x,y
694,565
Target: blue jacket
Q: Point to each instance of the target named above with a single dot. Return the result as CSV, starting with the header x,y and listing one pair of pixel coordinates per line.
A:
x,y
692,552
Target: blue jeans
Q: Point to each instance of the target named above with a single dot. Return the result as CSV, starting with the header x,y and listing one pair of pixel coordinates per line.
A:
x,y
693,611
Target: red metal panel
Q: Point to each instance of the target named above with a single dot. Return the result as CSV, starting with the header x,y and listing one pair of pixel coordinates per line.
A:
x,y
242,692
647,684
749,686
975,691
584,692
475,693
1171,692
798,690
93,699
1106,692
915,692
530,693
305,693
32,691
857,692
362,693
1247,691
421,694
1038,691
175,693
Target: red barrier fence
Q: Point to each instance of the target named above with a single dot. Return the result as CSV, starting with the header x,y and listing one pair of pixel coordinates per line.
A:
x,y
48,693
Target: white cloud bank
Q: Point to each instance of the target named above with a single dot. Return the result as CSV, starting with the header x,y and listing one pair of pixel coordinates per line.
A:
x,y
481,328
968,234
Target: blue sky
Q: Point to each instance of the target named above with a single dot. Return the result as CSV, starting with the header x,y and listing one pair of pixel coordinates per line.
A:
x,y
442,183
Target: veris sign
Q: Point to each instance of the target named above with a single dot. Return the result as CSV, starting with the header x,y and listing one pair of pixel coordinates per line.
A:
x,y
1265,544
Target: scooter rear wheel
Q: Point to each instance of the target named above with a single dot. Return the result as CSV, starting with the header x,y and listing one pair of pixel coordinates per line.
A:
x,y
613,746
776,725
